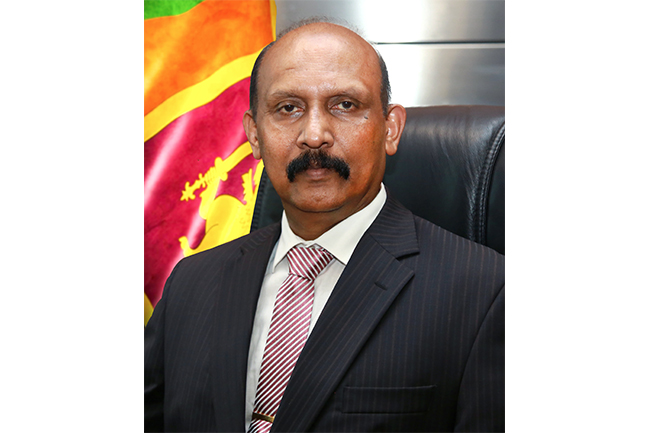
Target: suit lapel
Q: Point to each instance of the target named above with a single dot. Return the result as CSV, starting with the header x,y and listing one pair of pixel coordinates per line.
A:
x,y
237,295
371,281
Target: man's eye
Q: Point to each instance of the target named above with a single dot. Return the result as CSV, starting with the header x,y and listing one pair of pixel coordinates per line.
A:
x,y
288,108
345,105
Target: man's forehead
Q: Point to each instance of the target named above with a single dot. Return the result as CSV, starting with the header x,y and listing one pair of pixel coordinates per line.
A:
x,y
324,40
323,47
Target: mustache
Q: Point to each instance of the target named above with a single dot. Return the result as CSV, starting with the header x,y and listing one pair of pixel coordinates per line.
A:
x,y
317,159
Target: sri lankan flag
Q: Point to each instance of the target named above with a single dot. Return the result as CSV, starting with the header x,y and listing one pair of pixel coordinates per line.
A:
x,y
200,177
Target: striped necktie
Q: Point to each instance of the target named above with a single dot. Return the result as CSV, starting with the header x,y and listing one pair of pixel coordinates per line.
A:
x,y
287,333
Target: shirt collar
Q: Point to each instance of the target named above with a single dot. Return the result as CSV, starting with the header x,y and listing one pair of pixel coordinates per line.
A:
x,y
340,240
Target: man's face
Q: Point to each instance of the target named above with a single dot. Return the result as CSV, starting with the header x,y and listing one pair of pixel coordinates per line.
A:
x,y
319,92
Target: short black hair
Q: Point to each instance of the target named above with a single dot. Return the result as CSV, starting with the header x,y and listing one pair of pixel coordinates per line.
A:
x,y
253,98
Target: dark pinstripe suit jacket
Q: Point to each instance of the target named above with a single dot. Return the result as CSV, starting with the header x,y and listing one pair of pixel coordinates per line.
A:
x,y
411,339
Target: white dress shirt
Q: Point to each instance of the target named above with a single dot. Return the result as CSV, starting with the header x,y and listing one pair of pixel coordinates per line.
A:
x,y
340,241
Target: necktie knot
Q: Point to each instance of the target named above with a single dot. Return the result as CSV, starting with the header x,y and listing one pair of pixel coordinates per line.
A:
x,y
308,262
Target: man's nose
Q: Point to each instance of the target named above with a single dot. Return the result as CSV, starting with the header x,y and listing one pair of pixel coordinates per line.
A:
x,y
315,130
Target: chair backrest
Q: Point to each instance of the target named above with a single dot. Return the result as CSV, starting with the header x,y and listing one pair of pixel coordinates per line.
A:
x,y
449,169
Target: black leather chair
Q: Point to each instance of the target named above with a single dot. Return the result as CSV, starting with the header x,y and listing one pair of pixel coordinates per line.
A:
x,y
449,169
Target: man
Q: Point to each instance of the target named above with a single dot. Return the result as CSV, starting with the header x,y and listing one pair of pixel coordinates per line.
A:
x,y
399,327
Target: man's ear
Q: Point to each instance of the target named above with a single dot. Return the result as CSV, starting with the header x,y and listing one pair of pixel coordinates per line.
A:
x,y
251,132
394,126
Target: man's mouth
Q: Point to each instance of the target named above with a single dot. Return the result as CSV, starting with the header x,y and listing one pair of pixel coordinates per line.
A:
x,y
316,160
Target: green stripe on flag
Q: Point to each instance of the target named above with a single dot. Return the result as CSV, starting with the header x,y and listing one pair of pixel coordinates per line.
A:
x,y
164,8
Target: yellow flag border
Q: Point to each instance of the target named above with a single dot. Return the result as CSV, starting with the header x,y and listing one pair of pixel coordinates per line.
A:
x,y
197,95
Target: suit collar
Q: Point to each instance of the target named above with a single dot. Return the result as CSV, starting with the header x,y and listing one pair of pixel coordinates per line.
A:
x,y
394,229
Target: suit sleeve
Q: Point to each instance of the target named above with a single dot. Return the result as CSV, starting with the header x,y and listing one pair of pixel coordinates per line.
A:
x,y
154,372
481,400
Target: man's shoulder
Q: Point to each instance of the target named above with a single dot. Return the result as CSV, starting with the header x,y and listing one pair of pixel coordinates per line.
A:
x,y
457,257
398,224
230,250
432,234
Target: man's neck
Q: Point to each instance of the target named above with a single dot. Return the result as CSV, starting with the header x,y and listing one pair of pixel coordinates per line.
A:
x,y
311,225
